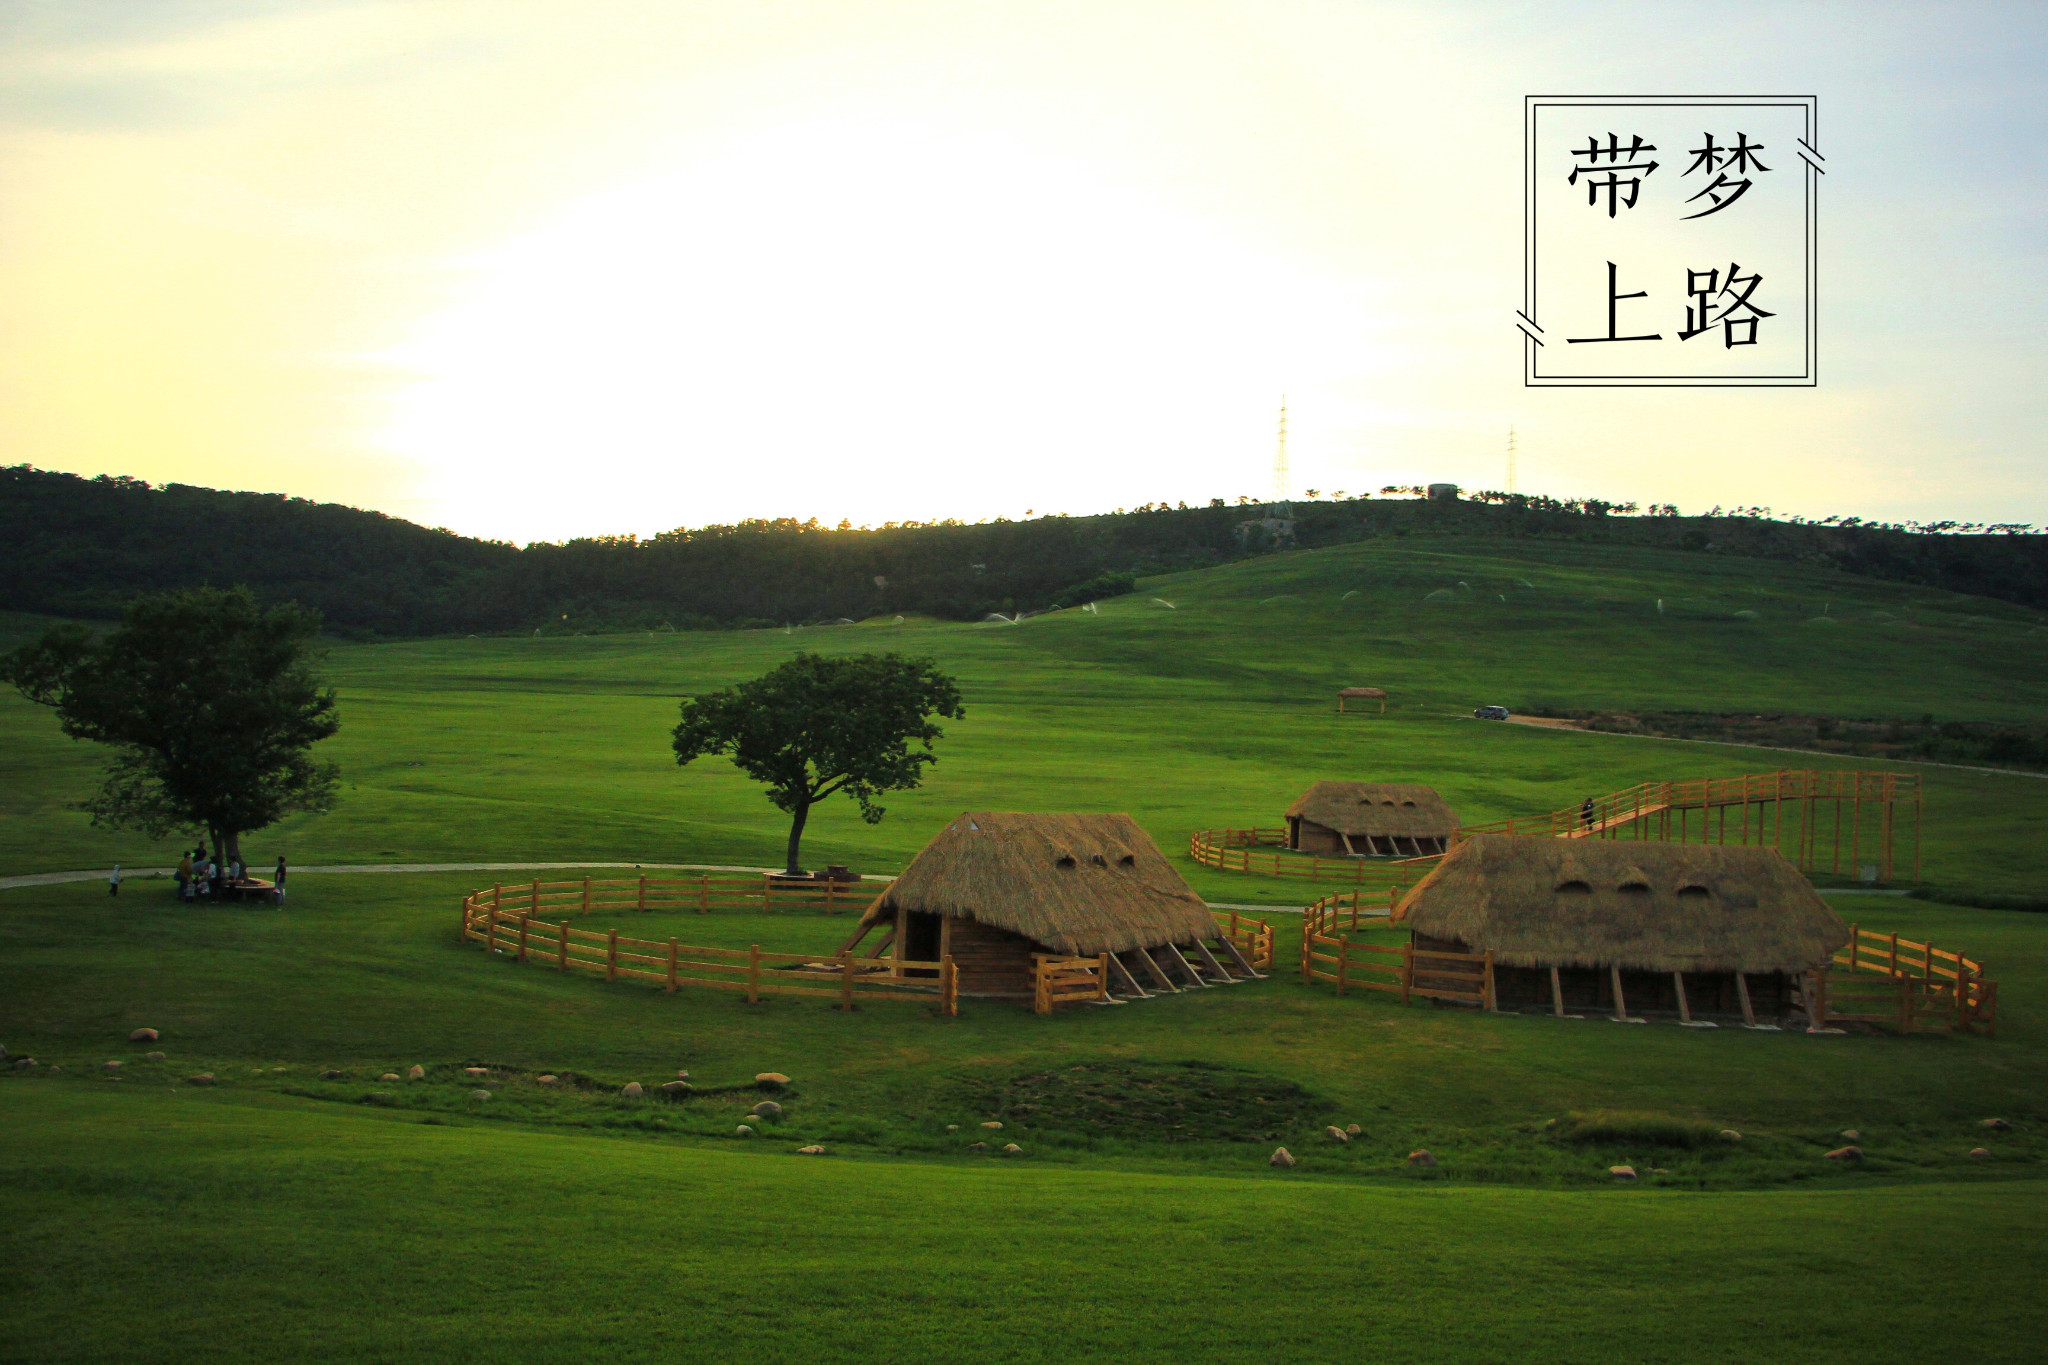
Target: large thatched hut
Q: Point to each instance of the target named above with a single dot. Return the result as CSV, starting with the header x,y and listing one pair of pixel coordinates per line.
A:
x,y
995,888
1614,924
1370,819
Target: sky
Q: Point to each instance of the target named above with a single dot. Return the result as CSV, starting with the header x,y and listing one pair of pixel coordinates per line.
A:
x,y
540,270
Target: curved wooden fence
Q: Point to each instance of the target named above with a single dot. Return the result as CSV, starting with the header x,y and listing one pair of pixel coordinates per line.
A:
x,y
1908,985
514,924
1234,850
1406,971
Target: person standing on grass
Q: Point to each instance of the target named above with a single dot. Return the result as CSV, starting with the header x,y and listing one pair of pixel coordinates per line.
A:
x,y
184,876
114,881
277,881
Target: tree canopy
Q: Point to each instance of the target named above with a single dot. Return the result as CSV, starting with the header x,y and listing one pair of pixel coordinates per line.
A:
x,y
819,725
211,703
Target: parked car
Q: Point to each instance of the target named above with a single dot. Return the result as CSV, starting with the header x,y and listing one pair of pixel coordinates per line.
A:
x,y
1491,713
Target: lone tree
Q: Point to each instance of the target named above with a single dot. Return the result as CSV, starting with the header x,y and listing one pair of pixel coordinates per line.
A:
x,y
818,725
211,702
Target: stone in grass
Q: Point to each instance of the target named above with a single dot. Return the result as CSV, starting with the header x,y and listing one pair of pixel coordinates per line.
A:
x,y
1622,1172
682,1075
1012,1149
143,1035
332,1075
1354,1130
1996,1125
1851,1135
1730,1135
1336,1134
1281,1157
952,1127
545,1080
977,1146
1421,1157
416,1073
476,1071
812,1150
676,1090
112,1066
1980,1151
766,1109
1851,1153
24,1063
479,1094
992,1125
631,1090
203,1078
771,1080
388,1076
743,1131
154,1057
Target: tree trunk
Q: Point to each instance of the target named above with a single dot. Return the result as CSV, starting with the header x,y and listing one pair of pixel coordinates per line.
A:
x,y
796,838
234,845
218,838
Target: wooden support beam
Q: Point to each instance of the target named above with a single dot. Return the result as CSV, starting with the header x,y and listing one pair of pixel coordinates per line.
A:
x,y
1130,982
1620,1001
1684,1009
1244,963
1742,990
1209,961
1556,994
1165,982
1173,954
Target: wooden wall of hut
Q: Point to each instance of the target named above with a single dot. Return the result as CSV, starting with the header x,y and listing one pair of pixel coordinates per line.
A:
x,y
990,961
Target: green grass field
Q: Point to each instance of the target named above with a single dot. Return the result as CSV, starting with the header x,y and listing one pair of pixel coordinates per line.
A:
x,y
276,1213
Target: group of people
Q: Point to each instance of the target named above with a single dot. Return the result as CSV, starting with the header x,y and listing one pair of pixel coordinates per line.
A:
x,y
200,875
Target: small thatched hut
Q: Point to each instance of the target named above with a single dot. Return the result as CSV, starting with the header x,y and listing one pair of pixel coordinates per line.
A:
x,y
996,887
1378,694
1614,924
1370,819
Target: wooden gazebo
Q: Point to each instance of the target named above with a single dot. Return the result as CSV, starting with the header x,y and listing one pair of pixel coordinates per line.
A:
x,y
1378,694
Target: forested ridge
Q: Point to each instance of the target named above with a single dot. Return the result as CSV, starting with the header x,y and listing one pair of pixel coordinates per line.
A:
x,y
85,546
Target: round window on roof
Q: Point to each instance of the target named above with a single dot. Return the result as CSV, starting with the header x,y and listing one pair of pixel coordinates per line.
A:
x,y
1128,860
1574,887
1407,803
1694,891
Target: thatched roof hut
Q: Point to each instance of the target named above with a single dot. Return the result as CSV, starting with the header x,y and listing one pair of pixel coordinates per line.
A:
x,y
995,887
1388,819
1719,913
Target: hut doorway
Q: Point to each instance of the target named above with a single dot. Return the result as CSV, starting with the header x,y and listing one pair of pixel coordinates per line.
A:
x,y
921,937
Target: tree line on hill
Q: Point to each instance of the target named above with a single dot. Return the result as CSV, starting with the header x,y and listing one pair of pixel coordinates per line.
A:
x,y
87,546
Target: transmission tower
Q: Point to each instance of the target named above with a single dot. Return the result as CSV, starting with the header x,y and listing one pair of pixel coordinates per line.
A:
x,y
1280,456
1511,462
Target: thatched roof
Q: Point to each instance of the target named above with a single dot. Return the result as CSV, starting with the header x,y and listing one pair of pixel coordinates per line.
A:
x,y
1544,902
1375,693
1397,809
1079,884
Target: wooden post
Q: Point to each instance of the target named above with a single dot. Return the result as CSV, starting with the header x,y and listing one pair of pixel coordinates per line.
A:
x,y
533,906
846,981
671,966
468,904
497,895
642,903
1853,940
524,922
1102,976
1919,803
1556,994
704,894
1492,1002
949,988
1684,1007
586,896
491,933
611,956
1893,964
1041,1002
1343,962
1742,993
1620,1002
767,886
1407,969
562,948
753,974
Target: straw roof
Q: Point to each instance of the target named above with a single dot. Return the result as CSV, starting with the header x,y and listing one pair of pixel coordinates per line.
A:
x,y
1542,902
1375,693
1080,884
1397,809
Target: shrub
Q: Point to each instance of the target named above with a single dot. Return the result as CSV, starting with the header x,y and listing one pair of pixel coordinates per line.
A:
x,y
1628,1126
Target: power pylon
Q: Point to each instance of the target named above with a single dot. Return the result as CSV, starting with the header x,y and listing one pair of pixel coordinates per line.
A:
x,y
1280,492
1511,462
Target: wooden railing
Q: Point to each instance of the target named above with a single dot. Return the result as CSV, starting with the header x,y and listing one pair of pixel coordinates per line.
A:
x,y
1917,985
1253,937
497,925
1756,808
703,893
1407,971
1059,980
1231,850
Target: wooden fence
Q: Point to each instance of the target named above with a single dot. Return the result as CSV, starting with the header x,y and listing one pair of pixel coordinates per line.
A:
x,y
1406,971
1058,980
1885,979
511,928
1253,937
1233,850
702,893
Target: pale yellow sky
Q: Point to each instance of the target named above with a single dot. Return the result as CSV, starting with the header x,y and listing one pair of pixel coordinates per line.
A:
x,y
534,270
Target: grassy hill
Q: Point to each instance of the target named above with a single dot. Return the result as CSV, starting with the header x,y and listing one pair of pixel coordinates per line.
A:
x,y
277,1207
